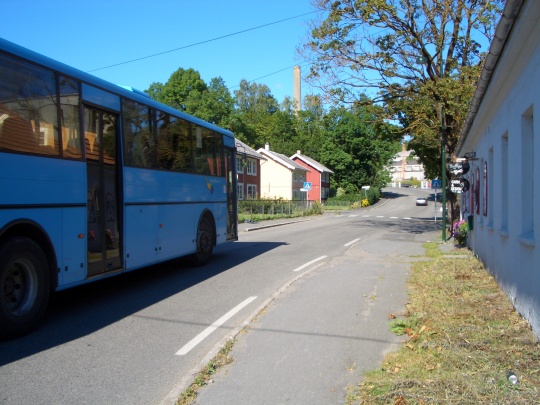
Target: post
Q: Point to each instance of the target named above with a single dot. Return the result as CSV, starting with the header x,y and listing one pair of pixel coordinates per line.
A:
x,y
443,178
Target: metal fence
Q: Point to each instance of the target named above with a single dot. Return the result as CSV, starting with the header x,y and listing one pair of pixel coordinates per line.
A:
x,y
275,207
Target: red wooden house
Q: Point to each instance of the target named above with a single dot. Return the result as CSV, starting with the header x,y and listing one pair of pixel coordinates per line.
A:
x,y
248,171
318,176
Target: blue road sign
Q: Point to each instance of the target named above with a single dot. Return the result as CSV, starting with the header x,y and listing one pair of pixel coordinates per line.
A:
x,y
307,185
436,183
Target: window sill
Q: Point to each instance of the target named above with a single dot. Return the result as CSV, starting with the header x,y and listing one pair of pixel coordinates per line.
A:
x,y
527,239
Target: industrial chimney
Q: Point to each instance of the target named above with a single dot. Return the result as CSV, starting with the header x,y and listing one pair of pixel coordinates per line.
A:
x,y
297,89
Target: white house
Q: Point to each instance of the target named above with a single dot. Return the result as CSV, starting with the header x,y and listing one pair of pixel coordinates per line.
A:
x,y
405,166
502,137
281,177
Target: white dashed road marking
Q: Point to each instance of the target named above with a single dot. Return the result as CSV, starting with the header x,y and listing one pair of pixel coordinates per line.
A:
x,y
309,263
351,242
205,333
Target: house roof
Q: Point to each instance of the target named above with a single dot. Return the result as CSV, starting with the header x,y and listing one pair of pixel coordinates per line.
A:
x,y
241,148
282,159
312,162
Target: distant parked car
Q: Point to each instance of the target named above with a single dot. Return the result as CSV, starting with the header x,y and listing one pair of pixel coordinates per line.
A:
x,y
421,201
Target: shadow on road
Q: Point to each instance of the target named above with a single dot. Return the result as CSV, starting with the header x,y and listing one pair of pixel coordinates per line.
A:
x,y
415,225
83,310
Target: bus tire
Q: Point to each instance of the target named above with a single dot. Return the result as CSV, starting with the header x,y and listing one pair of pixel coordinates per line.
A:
x,y
24,286
204,242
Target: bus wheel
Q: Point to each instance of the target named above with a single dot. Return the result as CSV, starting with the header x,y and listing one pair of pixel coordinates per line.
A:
x,y
205,242
24,286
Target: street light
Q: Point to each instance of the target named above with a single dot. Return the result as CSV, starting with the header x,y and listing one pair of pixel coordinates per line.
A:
x,y
423,60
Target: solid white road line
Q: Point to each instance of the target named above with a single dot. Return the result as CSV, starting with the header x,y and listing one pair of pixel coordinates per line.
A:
x,y
351,242
311,262
205,333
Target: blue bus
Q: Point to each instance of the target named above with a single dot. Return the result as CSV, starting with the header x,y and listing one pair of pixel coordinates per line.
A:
x,y
97,180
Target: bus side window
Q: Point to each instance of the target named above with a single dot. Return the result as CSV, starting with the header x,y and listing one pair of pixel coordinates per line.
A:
x,y
70,118
29,97
17,134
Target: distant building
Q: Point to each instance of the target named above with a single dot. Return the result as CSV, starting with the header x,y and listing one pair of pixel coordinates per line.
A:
x,y
248,173
318,176
281,177
501,138
405,167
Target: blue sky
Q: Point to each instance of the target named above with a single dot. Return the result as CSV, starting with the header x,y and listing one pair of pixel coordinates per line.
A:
x,y
93,34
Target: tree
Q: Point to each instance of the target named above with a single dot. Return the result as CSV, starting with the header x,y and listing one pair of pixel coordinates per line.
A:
x,y
255,98
417,58
182,91
254,107
155,90
356,149
310,127
216,104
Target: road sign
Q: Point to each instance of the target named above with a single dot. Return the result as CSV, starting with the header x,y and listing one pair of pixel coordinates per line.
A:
x,y
436,183
307,185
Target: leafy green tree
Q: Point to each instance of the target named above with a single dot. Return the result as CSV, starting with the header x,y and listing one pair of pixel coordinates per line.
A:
x,y
155,90
416,58
254,107
216,104
182,91
356,149
310,127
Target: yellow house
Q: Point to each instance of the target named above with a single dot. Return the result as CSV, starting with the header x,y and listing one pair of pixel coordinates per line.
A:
x,y
281,177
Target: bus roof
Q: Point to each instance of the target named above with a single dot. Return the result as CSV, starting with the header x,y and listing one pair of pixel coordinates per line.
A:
x,y
87,78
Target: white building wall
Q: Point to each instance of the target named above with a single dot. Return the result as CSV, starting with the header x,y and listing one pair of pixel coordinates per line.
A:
x,y
276,180
506,138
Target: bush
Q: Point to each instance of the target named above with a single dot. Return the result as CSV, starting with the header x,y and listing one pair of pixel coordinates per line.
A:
x,y
460,231
356,200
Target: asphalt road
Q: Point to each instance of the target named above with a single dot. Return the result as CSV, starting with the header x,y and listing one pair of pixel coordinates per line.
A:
x,y
137,338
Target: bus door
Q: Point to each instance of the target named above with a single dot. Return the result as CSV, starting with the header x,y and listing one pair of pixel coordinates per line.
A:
x,y
232,203
100,133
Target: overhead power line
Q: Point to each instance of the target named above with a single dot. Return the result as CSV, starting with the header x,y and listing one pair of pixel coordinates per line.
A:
x,y
202,42
270,74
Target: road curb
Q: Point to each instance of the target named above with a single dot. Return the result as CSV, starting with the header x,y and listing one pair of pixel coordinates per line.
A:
x,y
185,382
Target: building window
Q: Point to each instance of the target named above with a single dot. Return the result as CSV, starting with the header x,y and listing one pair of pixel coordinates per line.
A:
x,y
240,189
489,189
251,191
504,183
299,176
252,167
527,171
239,164
326,176
325,192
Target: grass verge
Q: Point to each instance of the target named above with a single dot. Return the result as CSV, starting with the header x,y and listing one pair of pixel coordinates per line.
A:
x,y
461,338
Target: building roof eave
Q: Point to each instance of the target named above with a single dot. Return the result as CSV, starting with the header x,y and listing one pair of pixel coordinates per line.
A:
x,y
502,32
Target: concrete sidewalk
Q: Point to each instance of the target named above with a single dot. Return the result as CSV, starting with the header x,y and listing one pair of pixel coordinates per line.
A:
x,y
298,349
